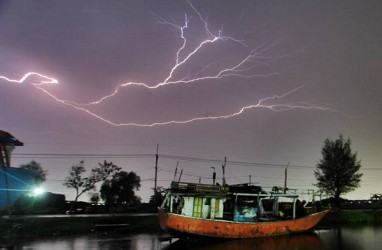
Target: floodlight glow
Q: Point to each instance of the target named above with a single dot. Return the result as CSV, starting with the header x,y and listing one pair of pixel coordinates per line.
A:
x,y
38,191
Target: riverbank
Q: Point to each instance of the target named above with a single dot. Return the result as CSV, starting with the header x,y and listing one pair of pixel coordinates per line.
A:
x,y
27,227
45,226
352,217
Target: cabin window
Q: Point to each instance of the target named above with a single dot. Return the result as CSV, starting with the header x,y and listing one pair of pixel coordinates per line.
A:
x,y
217,203
166,202
198,207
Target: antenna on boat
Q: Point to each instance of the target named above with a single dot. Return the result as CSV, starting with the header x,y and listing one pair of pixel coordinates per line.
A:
x,y
223,168
176,170
250,179
180,176
286,177
213,176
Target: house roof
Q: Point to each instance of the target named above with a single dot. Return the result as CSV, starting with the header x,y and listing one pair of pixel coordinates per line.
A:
x,y
8,139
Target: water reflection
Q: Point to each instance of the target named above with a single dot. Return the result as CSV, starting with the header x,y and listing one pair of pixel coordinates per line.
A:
x,y
353,237
91,241
309,241
341,239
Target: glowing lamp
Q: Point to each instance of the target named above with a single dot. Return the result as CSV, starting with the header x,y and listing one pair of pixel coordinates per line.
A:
x,y
37,191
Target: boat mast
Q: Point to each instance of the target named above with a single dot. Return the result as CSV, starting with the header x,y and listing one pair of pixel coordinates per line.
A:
x,y
176,170
180,176
213,176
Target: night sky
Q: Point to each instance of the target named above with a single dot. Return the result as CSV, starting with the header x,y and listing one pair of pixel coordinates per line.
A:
x,y
326,56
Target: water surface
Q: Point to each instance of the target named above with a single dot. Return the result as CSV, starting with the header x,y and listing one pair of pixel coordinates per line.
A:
x,y
344,237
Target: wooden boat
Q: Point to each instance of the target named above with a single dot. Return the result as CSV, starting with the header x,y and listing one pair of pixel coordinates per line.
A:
x,y
236,211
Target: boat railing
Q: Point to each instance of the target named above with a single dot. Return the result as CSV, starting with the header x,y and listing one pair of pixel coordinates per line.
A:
x,y
197,187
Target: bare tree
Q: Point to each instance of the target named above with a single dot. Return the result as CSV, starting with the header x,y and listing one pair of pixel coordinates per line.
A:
x,y
84,184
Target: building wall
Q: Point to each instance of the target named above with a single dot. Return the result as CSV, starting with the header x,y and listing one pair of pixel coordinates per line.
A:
x,y
20,181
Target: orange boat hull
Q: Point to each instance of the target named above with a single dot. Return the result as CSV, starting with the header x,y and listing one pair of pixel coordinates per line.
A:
x,y
183,225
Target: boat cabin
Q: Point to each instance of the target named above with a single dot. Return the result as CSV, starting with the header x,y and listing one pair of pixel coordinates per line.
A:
x,y
239,203
195,200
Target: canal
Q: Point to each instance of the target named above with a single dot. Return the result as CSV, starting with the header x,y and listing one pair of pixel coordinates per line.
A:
x,y
344,237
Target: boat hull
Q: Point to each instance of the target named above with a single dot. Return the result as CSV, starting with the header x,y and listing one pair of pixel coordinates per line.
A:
x,y
181,226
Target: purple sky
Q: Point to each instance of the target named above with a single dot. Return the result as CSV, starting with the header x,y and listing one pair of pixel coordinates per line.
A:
x,y
331,49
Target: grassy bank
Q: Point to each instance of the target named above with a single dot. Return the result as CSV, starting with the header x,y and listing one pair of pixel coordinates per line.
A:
x,y
352,217
33,227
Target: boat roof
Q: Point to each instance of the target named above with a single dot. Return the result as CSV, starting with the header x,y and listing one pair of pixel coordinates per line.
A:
x,y
218,190
187,187
246,188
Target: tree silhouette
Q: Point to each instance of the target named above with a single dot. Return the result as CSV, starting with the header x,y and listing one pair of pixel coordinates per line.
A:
x,y
120,189
376,197
158,196
36,167
337,172
94,197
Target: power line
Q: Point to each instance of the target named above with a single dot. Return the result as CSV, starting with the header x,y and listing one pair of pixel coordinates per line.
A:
x,y
53,156
240,163
249,164
169,157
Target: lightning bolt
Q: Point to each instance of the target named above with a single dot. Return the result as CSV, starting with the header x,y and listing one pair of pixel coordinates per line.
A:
x,y
45,79
239,69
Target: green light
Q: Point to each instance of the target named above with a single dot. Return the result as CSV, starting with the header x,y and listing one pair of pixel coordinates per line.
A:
x,y
38,191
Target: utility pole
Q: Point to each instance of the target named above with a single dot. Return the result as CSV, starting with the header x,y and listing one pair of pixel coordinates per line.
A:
x,y
156,170
223,168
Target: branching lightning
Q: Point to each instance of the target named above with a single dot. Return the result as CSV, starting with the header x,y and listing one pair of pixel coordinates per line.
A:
x,y
45,79
238,69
